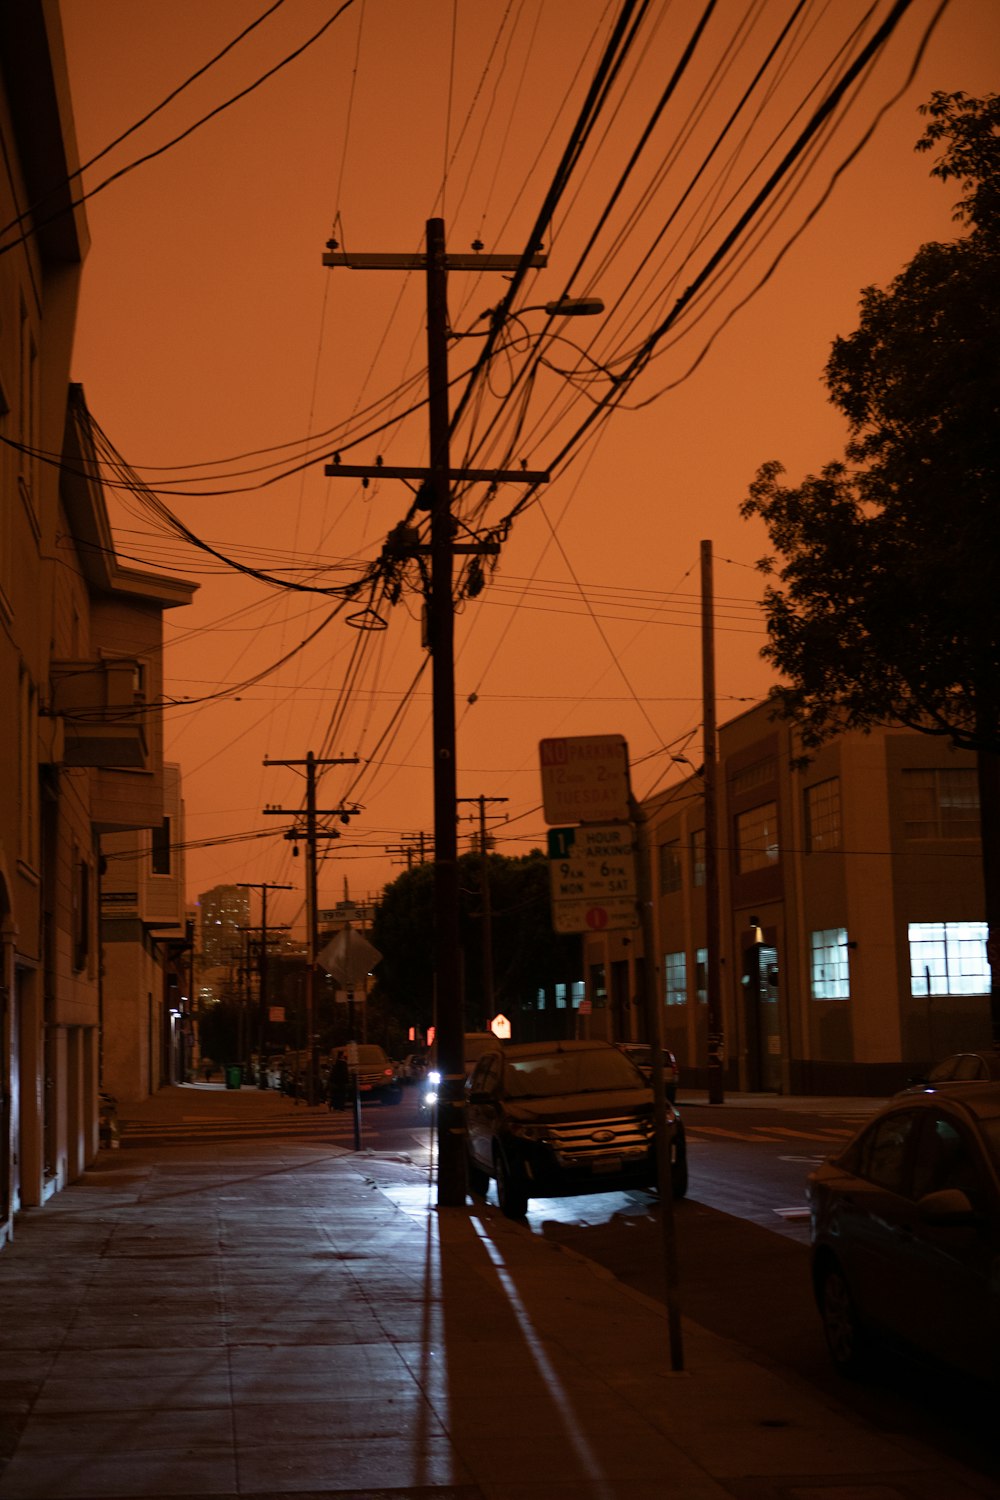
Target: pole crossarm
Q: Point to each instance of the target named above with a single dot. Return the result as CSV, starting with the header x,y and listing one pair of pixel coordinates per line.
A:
x,y
417,261
337,470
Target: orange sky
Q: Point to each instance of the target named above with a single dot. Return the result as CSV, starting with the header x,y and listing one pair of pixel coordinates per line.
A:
x,y
209,328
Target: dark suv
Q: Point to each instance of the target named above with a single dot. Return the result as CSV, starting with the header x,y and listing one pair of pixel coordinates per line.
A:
x,y
551,1119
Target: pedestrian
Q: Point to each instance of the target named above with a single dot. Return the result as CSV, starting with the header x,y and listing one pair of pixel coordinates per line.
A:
x,y
207,1068
339,1082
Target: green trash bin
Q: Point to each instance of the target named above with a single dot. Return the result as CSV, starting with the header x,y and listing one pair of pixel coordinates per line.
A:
x,y
234,1077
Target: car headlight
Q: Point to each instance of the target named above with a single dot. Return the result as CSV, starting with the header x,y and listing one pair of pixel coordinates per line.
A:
x,y
434,1077
431,1097
528,1132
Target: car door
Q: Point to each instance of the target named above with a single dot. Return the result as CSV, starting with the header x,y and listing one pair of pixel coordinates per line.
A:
x,y
950,1268
870,1204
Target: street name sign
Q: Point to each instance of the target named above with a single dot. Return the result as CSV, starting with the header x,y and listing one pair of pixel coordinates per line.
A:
x,y
592,877
584,778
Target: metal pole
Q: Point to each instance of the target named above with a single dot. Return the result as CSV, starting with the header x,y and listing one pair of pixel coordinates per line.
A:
x,y
709,759
312,928
654,1023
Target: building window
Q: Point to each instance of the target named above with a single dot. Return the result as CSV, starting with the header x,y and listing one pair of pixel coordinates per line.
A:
x,y
757,838
948,958
758,774
598,986
701,975
823,815
27,770
670,867
675,975
831,973
698,856
81,912
160,851
940,804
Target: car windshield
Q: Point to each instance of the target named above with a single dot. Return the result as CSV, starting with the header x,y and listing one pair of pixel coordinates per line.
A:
x,y
371,1057
583,1072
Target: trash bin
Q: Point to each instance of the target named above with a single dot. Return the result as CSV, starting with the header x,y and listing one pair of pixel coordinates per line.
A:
x,y
234,1077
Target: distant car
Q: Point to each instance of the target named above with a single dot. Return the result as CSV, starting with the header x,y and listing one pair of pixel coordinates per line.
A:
x,y
552,1119
962,1067
413,1067
905,1230
376,1075
641,1054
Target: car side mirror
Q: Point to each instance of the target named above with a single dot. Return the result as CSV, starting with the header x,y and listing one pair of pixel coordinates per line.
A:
x,y
949,1208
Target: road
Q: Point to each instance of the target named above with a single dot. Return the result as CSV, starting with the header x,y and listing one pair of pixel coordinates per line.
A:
x,y
742,1244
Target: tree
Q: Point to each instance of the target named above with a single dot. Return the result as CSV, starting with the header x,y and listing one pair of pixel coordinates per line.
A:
x,y
886,610
527,954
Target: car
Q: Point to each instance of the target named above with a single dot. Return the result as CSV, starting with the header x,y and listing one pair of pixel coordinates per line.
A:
x,y
961,1067
641,1054
905,1232
554,1119
413,1067
376,1075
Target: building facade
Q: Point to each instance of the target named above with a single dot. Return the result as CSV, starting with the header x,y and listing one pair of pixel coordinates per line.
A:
x,y
852,931
80,648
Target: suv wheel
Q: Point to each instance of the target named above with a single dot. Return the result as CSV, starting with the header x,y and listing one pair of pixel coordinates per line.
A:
x,y
846,1337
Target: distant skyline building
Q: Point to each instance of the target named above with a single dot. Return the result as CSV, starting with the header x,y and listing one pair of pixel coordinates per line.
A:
x,y
223,912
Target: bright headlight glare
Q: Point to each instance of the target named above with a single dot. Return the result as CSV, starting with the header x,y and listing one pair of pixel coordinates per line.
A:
x,y
434,1076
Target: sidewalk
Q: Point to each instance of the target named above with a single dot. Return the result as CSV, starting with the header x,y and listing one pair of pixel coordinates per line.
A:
x,y
282,1317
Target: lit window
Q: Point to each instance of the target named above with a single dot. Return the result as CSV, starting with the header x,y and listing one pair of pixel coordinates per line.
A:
x,y
948,958
757,838
701,975
940,804
831,974
823,815
675,976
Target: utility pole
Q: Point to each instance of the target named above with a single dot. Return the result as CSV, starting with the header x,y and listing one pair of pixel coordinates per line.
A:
x,y
713,987
437,480
263,887
488,1000
312,835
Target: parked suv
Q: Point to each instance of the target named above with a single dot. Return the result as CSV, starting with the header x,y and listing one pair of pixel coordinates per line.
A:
x,y
551,1119
376,1075
641,1054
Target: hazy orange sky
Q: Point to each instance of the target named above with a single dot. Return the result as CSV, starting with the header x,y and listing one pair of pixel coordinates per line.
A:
x,y
209,329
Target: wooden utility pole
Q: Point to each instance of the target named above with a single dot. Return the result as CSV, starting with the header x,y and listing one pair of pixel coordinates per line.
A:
x,y
312,836
713,987
264,887
437,480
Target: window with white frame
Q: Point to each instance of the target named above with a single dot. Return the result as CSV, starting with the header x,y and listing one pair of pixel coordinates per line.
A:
x,y
822,803
675,978
948,958
757,838
830,968
701,975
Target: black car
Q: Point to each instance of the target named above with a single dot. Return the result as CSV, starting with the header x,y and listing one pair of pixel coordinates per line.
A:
x,y
905,1229
962,1067
551,1119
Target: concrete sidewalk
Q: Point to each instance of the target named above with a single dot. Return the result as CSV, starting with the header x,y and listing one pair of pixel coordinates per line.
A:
x,y
277,1317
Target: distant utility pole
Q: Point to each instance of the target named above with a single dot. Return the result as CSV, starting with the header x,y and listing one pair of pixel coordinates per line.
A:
x,y
312,835
264,887
437,480
713,986
488,999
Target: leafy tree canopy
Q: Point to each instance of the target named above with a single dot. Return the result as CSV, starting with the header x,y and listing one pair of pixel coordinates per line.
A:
x,y
886,608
